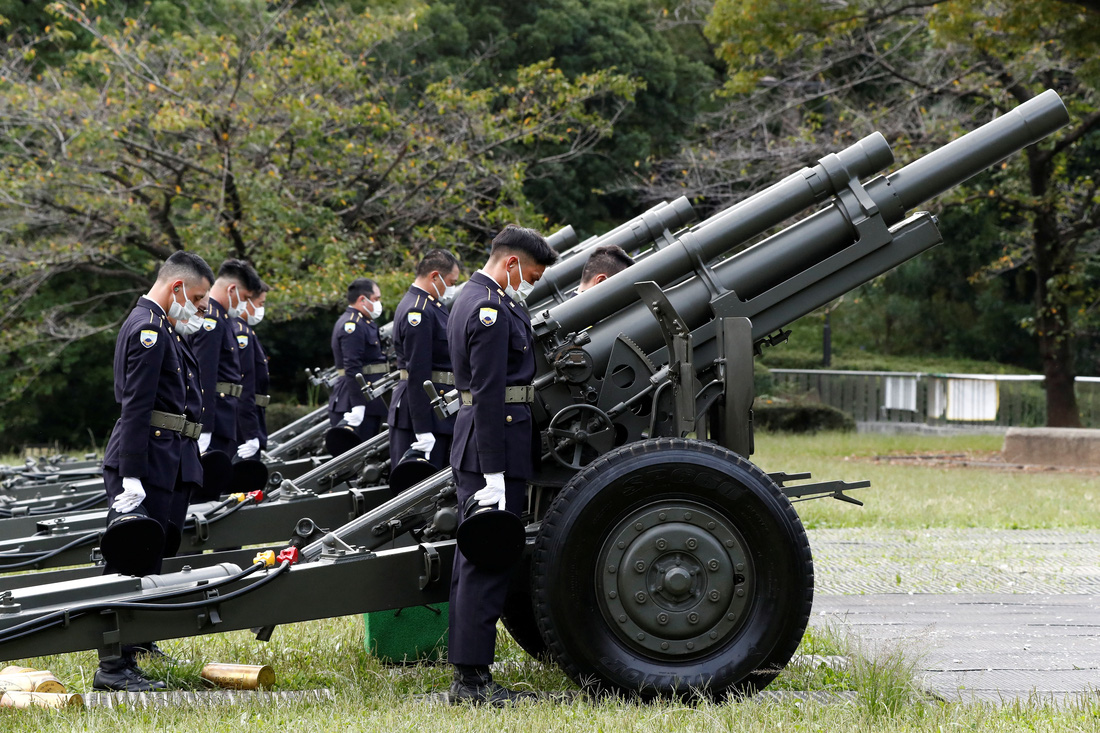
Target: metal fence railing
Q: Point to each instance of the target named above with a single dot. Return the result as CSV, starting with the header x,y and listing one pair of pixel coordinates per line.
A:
x,y
936,399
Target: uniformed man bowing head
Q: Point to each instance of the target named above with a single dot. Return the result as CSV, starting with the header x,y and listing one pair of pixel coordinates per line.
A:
x,y
217,348
494,448
152,457
356,348
602,263
420,343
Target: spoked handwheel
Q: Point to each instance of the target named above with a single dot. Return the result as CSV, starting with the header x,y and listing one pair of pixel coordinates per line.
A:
x,y
672,567
579,434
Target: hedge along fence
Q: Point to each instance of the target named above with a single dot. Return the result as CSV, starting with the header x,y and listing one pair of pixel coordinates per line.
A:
x,y
799,417
281,414
935,399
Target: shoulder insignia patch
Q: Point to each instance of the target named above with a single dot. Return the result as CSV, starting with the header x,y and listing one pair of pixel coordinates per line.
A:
x,y
414,318
148,338
349,327
242,340
209,324
488,316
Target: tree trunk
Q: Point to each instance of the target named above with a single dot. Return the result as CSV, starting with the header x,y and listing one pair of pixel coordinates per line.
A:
x,y
1052,316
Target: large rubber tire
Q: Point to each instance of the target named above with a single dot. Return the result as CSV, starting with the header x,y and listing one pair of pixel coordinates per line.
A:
x,y
672,567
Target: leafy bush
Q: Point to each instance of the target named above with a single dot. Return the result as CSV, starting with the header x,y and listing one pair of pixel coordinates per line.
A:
x,y
282,414
796,417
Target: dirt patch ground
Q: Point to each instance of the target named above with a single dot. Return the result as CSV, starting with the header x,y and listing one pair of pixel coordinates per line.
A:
x,y
970,459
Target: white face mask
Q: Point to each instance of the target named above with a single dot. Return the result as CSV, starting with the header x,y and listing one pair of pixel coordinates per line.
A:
x,y
188,327
182,312
235,311
448,291
519,294
374,308
256,315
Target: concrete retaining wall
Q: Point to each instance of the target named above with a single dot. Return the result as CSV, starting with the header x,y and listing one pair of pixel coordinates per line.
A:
x,y
1070,447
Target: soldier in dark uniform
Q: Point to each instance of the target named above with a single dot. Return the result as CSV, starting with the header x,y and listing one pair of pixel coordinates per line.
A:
x,y
152,457
251,431
356,349
603,262
254,315
420,343
217,349
495,443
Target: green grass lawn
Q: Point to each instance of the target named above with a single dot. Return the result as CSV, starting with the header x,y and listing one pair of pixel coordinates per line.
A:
x,y
908,496
370,696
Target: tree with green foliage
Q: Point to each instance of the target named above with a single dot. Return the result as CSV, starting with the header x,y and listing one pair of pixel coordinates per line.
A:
x,y
598,191
280,137
811,76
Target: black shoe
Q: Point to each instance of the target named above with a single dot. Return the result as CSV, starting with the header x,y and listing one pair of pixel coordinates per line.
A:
x,y
129,679
486,693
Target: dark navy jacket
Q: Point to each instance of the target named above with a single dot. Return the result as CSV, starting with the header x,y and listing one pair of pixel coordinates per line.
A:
x,y
420,343
149,375
263,386
196,411
248,425
215,346
355,343
491,347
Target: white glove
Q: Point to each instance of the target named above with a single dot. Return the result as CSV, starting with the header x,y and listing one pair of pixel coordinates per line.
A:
x,y
424,442
204,441
133,493
355,417
248,448
493,493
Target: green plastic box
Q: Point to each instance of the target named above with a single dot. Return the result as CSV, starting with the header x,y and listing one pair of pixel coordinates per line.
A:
x,y
407,635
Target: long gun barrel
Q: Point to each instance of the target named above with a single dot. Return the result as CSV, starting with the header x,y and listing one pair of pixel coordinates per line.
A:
x,y
562,239
638,232
798,248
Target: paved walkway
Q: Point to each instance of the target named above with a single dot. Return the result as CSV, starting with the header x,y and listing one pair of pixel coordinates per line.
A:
x,y
995,615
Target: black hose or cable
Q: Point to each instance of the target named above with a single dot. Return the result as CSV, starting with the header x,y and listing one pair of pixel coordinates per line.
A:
x,y
33,558
59,617
87,503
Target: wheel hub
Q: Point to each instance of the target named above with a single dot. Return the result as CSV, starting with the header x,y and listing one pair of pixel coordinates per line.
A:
x,y
675,579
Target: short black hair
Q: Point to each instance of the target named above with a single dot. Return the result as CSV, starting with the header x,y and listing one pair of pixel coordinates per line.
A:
x,y
241,272
521,239
608,260
436,260
183,265
362,286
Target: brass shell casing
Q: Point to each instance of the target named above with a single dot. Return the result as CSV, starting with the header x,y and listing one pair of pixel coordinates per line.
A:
x,y
35,681
239,676
40,700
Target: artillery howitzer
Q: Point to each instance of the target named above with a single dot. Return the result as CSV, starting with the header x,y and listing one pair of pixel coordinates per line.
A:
x,y
661,560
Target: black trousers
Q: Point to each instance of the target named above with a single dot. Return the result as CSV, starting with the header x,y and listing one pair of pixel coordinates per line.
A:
x,y
477,594
167,506
227,446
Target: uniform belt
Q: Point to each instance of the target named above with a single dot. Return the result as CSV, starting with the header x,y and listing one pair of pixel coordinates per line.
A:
x,y
382,368
263,400
229,389
440,377
518,394
176,423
